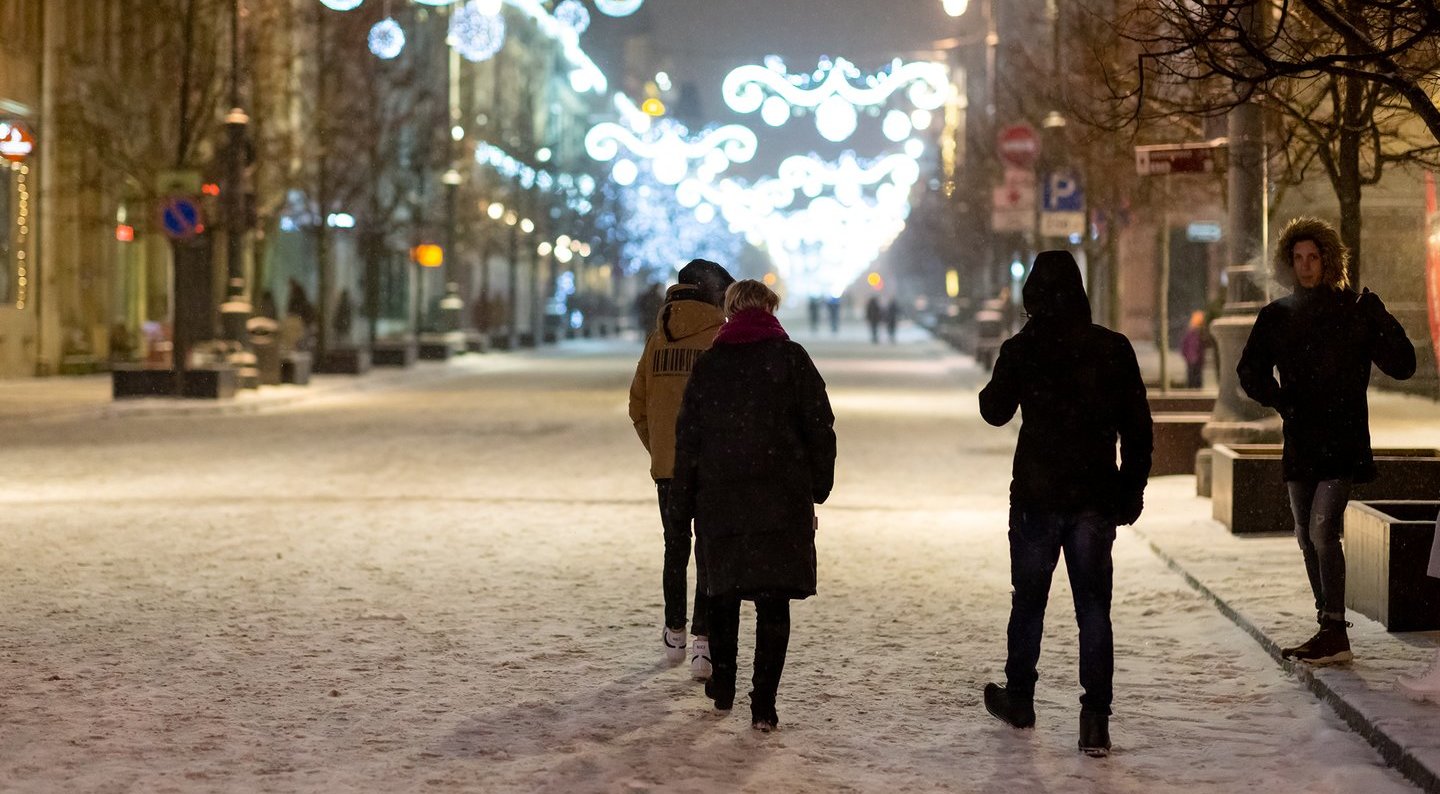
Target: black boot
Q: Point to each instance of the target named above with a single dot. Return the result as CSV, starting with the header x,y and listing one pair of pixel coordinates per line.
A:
x,y
723,694
1011,707
1094,734
1330,645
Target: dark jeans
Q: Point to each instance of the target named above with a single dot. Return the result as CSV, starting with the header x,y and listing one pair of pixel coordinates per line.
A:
x,y
1036,541
772,639
677,562
1319,510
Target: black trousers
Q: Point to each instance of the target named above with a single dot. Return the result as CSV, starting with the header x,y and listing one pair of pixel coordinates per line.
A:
x,y
677,562
772,639
1036,542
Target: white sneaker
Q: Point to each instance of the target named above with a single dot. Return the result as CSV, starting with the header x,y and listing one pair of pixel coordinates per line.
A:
x,y
700,668
1425,686
674,645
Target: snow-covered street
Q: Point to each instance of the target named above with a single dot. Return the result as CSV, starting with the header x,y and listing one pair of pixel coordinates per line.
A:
x,y
456,586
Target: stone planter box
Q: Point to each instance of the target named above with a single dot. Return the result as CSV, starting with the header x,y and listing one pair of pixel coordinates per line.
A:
x,y
295,368
1192,401
210,383
1247,488
344,361
395,353
1177,440
1387,549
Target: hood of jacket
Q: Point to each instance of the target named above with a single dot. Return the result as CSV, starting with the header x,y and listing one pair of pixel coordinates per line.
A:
x,y
1054,295
686,315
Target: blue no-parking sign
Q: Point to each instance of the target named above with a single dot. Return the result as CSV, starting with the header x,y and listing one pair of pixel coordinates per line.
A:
x,y
180,218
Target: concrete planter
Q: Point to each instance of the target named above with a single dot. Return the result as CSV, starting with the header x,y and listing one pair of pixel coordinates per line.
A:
x,y
344,361
401,353
295,368
1248,489
211,383
1387,549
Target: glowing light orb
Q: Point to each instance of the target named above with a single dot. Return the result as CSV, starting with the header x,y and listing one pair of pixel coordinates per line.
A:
x,y
341,5
921,118
704,213
914,148
476,35
573,14
438,2
624,172
618,8
775,111
386,39
670,168
836,119
896,126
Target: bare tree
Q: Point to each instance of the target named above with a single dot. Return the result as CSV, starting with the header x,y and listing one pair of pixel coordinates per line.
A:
x,y
1350,84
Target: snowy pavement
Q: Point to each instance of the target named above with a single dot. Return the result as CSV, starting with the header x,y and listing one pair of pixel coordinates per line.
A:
x,y
454,585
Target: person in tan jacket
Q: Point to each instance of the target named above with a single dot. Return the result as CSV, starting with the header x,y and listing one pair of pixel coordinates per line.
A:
x,y
684,328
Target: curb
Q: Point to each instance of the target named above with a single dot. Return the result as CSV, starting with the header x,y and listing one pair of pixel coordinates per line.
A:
x,y
1395,754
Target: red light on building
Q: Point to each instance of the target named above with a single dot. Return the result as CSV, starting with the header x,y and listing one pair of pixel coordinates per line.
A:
x,y
124,233
210,189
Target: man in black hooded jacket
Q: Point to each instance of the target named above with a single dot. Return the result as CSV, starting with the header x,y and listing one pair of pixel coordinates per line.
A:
x,y
1079,389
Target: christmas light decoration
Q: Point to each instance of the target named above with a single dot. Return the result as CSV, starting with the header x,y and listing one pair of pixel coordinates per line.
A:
x,y
574,15
618,8
386,39
476,35
669,148
341,5
835,91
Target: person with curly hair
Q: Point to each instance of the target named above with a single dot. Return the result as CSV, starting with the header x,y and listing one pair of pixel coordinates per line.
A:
x,y
1322,338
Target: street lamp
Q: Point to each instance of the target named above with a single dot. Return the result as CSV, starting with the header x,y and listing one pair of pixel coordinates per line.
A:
x,y
235,311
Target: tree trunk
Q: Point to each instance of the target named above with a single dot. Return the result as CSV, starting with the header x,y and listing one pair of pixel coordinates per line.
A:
x,y
1348,185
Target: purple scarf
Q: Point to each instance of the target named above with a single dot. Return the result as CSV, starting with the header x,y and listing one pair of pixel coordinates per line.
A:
x,y
750,325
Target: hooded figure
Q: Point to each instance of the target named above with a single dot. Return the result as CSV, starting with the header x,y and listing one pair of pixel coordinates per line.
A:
x,y
1322,339
1078,386
684,328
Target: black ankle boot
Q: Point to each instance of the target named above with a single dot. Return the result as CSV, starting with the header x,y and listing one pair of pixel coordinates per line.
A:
x,y
723,695
1094,734
1012,707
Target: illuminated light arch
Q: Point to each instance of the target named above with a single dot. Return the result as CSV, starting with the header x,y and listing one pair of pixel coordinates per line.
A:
x,y
926,85
670,151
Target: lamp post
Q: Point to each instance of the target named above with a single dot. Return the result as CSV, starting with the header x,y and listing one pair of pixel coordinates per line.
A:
x,y
235,311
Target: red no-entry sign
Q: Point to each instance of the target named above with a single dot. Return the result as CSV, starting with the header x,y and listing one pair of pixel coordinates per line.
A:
x,y
1018,146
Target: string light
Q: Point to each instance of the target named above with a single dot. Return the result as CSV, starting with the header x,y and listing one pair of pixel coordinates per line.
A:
x,y
476,35
618,8
574,15
386,39
341,5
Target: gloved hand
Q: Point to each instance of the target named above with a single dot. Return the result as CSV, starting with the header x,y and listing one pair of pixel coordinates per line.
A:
x,y
1129,507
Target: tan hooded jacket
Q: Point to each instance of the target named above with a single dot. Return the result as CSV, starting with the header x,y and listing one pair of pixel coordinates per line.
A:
x,y
684,329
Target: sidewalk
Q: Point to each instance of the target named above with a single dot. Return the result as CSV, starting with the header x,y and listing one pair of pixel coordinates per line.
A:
x,y
69,397
1260,584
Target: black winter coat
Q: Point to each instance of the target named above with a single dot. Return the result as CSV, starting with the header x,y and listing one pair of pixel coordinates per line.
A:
x,y
1322,341
1079,389
754,453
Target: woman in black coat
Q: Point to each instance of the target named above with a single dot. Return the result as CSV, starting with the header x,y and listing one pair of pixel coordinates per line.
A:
x,y
1322,338
754,454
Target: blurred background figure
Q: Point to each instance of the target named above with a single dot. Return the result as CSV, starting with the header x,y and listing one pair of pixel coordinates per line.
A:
x,y
1192,349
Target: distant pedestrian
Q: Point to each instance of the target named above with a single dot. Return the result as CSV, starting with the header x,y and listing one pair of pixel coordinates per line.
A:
x,y
892,318
1426,686
1322,337
1079,388
754,454
647,305
1192,349
832,308
814,306
683,329
873,316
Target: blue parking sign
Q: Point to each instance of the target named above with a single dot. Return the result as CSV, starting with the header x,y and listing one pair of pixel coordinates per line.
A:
x,y
1063,192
